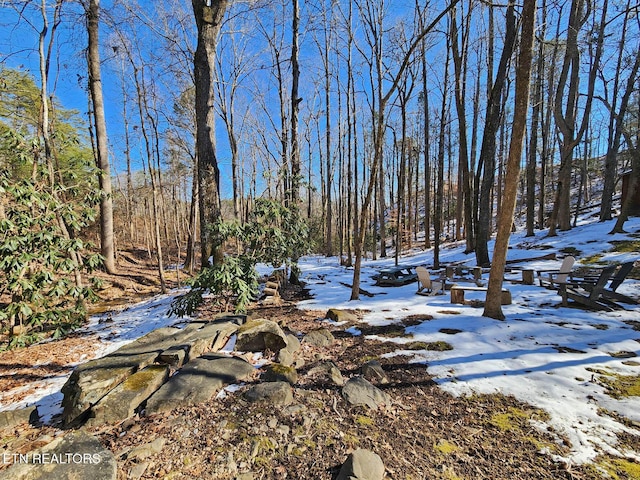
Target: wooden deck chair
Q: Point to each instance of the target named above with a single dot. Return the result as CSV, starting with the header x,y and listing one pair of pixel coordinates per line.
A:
x,y
555,278
425,285
617,279
588,293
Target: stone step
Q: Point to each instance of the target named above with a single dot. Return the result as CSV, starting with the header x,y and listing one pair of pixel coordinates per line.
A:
x,y
121,402
198,381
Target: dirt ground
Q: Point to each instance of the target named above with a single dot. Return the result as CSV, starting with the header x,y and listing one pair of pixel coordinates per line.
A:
x,y
425,433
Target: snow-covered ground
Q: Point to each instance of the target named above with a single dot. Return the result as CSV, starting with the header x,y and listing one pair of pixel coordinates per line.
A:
x,y
521,356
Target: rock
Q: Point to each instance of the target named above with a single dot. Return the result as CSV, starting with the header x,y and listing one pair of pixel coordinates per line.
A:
x,y
335,375
142,452
90,382
362,465
340,315
155,342
13,418
293,344
319,338
285,358
372,371
138,470
330,371
198,381
259,335
277,393
212,336
174,356
123,400
76,455
358,391
277,372
93,380
224,334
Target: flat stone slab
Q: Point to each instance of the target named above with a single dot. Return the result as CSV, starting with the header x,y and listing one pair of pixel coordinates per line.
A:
x,y
123,400
92,381
199,381
74,456
154,341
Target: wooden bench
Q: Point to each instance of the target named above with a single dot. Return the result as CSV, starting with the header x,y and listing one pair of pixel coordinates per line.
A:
x,y
457,293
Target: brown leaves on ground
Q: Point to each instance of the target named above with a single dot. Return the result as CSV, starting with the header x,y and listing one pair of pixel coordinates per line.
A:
x,y
425,433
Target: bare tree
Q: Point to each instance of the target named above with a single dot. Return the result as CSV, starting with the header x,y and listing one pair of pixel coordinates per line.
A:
x,y
487,159
493,308
208,15
566,107
107,241
379,126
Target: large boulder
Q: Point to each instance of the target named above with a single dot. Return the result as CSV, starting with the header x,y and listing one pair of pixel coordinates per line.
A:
x,y
76,455
198,381
260,335
362,465
90,382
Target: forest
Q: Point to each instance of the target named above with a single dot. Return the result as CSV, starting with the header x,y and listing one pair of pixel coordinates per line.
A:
x,y
220,134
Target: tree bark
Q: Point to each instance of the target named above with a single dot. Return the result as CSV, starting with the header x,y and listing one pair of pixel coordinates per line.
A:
x,y
295,107
208,15
107,240
566,118
493,308
488,149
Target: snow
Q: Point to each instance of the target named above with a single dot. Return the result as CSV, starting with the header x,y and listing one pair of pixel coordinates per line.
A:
x,y
530,355
521,356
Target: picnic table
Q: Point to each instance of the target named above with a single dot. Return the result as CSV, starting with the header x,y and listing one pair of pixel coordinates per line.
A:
x,y
396,276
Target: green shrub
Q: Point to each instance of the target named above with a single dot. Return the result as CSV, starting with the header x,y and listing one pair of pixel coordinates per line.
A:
x,y
274,234
39,261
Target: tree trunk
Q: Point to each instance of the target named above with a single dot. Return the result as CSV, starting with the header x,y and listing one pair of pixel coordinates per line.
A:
x,y
107,241
488,149
616,127
565,113
464,186
493,308
294,194
208,15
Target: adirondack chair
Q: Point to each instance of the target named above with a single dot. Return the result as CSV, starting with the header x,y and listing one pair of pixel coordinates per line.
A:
x,y
620,275
588,293
426,286
555,278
